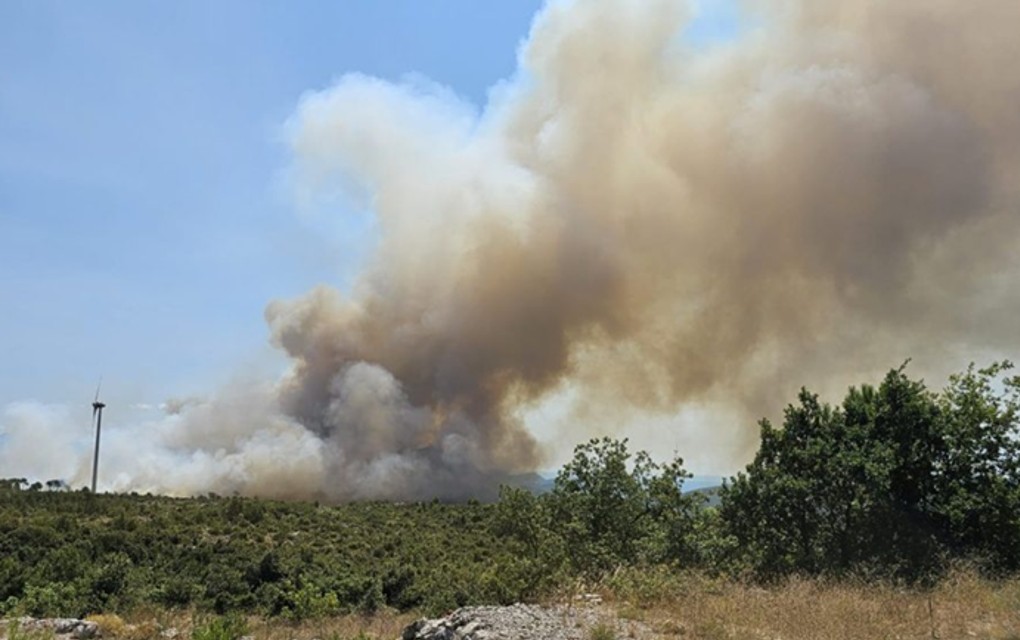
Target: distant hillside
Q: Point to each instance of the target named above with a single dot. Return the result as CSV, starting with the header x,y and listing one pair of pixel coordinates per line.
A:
x,y
538,484
534,482
711,493
702,482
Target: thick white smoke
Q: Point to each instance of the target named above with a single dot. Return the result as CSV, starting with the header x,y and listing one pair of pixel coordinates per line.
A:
x,y
637,228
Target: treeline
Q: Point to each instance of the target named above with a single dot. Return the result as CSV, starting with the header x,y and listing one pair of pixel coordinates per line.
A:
x,y
897,483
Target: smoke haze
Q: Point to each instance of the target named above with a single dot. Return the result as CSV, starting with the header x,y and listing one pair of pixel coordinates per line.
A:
x,y
631,232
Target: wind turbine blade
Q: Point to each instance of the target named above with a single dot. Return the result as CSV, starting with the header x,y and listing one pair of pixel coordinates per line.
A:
x,y
97,388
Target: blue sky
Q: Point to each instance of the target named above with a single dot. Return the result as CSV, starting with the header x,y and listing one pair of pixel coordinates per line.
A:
x,y
144,217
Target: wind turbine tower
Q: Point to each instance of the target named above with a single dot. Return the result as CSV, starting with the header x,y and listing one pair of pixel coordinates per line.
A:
x,y
97,417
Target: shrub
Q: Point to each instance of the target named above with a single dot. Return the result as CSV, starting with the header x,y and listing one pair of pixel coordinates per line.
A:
x,y
110,625
602,631
229,627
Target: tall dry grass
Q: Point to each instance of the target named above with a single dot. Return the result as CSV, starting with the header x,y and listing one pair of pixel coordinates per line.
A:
x,y
697,607
963,606
150,623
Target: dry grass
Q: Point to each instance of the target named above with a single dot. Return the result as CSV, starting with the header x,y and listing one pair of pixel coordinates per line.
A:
x,y
386,626
694,607
148,623
965,606
110,625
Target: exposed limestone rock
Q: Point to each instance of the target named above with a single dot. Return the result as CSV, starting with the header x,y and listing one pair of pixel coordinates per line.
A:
x,y
518,622
61,628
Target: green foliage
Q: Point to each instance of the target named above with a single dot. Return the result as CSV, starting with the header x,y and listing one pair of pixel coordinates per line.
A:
x,y
525,522
72,554
602,631
894,482
607,508
612,510
230,627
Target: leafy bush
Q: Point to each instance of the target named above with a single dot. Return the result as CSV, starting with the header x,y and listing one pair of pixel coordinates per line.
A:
x,y
894,482
229,627
607,508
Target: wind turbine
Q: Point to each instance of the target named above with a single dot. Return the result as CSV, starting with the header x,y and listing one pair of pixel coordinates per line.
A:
x,y
97,417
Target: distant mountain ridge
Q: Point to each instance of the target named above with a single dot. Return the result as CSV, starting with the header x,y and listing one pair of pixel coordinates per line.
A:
x,y
539,483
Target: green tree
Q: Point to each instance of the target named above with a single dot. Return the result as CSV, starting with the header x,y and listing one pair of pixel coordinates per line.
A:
x,y
979,499
612,509
895,481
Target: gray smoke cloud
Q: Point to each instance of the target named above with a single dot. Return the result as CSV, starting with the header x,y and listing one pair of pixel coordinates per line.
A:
x,y
633,228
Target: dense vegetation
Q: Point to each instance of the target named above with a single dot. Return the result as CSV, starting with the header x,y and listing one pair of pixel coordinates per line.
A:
x,y
75,553
897,482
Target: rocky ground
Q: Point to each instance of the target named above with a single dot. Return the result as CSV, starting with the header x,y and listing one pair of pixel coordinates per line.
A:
x,y
527,622
582,620
60,628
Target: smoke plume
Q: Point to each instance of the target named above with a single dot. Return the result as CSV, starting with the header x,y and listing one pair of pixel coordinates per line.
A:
x,y
635,227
